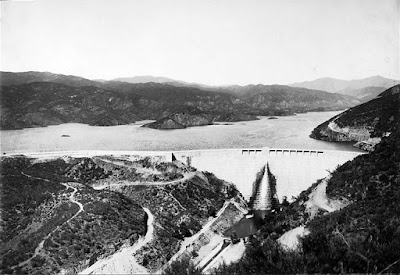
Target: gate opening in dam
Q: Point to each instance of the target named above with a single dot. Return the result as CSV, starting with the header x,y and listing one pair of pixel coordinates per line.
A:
x,y
294,169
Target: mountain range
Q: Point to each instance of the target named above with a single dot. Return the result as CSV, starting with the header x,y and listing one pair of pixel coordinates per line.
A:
x,y
10,78
146,79
333,85
364,89
34,99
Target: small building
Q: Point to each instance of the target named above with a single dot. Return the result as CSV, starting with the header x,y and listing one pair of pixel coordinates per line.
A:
x,y
243,229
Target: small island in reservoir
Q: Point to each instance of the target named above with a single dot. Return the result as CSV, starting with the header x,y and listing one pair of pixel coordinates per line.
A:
x,y
183,120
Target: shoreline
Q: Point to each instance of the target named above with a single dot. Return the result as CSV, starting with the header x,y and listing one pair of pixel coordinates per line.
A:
x,y
253,134
93,153
147,121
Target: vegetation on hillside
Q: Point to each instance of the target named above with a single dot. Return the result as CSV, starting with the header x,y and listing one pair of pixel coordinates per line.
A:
x,y
36,99
380,116
363,237
180,211
37,206
382,113
40,207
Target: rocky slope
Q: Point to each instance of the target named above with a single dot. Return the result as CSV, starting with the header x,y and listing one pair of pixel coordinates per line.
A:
x,y
184,120
180,211
181,121
366,123
62,215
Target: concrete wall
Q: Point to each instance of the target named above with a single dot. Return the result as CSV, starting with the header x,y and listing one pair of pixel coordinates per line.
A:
x,y
295,170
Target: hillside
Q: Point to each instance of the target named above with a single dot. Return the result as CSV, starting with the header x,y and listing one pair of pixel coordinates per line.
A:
x,y
46,103
181,121
333,85
184,120
282,98
250,99
64,214
10,78
366,123
360,233
37,104
52,222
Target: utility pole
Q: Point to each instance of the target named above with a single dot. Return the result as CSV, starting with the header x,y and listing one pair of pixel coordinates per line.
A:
x,y
109,190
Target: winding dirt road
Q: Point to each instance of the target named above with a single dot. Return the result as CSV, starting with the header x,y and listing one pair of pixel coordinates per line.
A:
x,y
186,177
38,250
317,200
334,127
72,198
318,197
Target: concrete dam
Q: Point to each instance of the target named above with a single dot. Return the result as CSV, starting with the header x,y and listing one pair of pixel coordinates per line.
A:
x,y
295,170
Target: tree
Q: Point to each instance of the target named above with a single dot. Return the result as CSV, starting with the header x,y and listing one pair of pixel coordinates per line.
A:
x,y
182,267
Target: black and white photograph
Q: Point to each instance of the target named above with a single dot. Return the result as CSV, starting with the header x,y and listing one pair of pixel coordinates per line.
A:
x,y
199,137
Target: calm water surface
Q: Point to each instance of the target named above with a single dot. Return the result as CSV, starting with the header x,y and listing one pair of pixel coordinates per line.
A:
x,y
284,132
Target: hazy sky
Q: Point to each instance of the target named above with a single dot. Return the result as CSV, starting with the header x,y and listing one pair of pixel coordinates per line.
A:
x,y
206,41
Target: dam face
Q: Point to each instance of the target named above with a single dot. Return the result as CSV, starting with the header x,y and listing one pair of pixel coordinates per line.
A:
x,y
295,170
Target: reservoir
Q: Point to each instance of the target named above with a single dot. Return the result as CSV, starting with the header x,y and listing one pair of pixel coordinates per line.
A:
x,y
284,132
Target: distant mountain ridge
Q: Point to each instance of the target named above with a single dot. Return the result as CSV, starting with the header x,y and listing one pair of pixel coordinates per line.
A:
x,y
300,99
333,85
34,99
367,93
11,78
146,79
364,89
